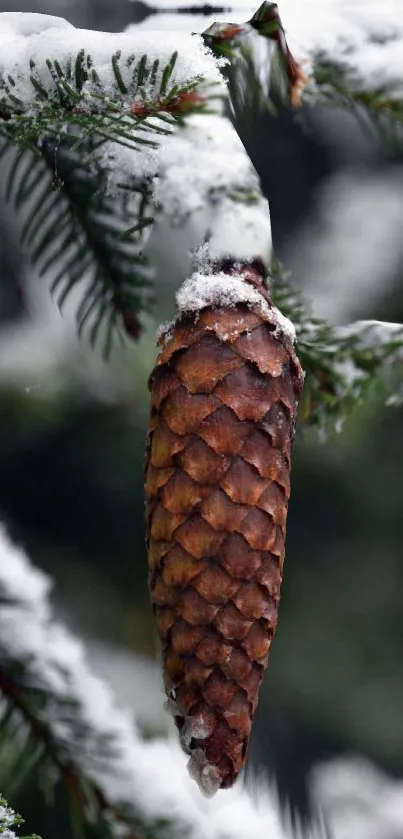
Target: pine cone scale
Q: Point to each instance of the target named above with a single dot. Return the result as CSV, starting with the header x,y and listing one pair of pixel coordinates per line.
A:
x,y
224,396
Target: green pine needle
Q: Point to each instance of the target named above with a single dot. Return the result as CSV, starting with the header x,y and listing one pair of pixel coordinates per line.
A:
x,y
11,821
340,369
379,110
81,234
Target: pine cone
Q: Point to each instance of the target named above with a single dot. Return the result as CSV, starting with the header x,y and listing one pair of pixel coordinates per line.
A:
x,y
224,394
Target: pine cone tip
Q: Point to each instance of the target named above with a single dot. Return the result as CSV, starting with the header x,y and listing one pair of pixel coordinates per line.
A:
x,y
206,775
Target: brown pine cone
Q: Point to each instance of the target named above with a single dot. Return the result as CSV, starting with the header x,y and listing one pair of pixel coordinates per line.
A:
x,y
224,393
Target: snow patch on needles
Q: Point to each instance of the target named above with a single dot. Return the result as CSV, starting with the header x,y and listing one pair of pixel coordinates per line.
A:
x,y
223,180
147,780
374,333
345,30
7,820
40,37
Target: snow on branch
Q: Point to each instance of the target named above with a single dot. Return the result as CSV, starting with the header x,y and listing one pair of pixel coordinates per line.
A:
x,y
375,333
342,363
357,31
10,820
145,87
135,783
138,89
7,821
127,88
31,41
204,168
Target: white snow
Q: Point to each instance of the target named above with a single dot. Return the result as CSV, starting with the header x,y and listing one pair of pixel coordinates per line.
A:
x,y
350,375
148,777
22,40
242,231
343,28
123,165
357,799
218,289
30,23
206,165
284,324
374,333
205,160
237,6
7,819
193,22
139,679
223,177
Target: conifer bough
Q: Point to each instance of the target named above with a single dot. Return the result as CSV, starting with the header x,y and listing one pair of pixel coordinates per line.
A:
x,y
224,394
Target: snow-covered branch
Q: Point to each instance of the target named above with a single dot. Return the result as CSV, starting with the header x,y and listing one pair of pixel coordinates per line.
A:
x,y
185,167
10,821
142,90
375,334
135,783
342,363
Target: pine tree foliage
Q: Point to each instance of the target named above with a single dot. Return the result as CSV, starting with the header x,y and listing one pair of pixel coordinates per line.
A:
x,y
60,128
10,821
343,364
379,110
74,226
65,102
74,229
77,229
60,723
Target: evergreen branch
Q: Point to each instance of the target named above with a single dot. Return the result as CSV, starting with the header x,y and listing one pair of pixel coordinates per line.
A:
x,y
116,779
108,119
10,820
73,96
39,733
342,364
75,229
30,703
78,232
379,110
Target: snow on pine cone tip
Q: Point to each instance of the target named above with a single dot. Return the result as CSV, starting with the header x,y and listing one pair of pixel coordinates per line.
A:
x,y
224,393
